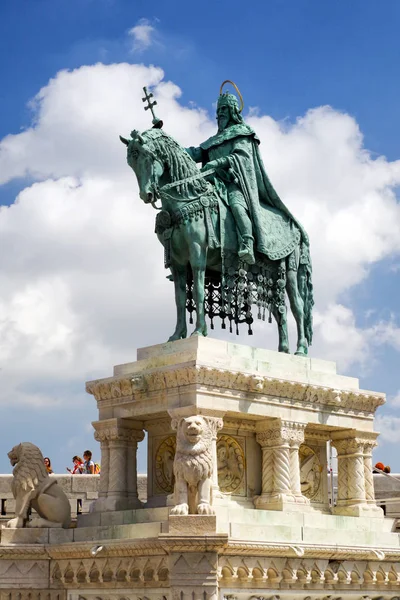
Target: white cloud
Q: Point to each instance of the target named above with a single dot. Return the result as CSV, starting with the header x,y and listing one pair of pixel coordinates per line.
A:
x,y
142,35
389,428
394,401
83,282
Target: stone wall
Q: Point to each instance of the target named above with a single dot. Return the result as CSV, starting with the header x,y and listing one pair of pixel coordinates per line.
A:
x,y
81,490
388,487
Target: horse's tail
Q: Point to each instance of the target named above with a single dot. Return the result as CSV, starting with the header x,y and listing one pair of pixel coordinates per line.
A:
x,y
304,280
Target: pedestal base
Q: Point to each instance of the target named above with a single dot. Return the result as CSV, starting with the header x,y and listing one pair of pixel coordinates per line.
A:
x,y
114,504
287,502
359,510
192,524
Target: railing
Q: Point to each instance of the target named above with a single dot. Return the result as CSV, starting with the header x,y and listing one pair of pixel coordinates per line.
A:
x,y
81,491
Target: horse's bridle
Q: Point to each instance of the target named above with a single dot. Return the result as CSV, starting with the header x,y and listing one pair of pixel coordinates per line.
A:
x,y
154,186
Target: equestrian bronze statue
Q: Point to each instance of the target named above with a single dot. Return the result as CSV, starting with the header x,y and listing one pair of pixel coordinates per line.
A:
x,y
230,242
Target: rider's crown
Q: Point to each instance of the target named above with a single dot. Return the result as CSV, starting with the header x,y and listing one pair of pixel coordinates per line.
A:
x,y
228,100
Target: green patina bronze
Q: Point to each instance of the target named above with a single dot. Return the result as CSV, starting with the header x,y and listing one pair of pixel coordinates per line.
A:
x,y
228,239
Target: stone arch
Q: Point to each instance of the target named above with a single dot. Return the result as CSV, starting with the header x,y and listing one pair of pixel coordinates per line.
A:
x,y
81,575
242,573
148,574
121,575
163,574
108,574
258,574
135,575
273,575
69,574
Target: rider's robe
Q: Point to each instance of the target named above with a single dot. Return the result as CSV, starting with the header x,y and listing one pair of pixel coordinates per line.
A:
x,y
275,229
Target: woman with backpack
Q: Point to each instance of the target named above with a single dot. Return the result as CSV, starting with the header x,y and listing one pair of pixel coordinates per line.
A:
x,y
89,467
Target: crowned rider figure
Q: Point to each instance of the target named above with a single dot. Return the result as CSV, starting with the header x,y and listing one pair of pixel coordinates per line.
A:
x,y
239,174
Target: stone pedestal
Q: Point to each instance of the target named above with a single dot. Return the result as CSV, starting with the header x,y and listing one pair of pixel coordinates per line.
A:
x,y
262,422
265,408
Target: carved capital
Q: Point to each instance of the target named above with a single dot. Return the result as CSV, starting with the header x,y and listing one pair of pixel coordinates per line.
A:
x,y
354,442
118,430
278,432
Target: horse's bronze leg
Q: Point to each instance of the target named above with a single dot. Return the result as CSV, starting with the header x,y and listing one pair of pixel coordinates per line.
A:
x,y
281,320
297,308
198,260
179,273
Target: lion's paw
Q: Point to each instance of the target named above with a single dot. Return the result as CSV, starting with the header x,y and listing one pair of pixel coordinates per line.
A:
x,y
15,523
180,509
205,509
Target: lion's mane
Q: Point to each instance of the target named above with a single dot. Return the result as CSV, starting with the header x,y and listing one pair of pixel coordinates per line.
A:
x,y
193,461
30,470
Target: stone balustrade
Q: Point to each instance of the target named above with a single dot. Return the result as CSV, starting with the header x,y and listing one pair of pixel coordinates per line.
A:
x,y
81,491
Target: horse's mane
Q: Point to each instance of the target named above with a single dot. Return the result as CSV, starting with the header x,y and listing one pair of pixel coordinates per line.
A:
x,y
179,163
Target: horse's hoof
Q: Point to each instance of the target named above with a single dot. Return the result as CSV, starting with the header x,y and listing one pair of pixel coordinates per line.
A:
x,y
202,332
301,352
284,349
177,336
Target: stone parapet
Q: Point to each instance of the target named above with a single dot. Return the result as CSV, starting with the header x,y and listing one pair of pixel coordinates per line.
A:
x,y
81,490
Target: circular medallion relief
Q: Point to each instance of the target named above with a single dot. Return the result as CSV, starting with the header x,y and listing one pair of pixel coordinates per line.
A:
x,y
310,471
164,463
231,460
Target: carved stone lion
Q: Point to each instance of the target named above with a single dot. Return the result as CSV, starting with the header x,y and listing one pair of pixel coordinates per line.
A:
x,y
193,467
32,488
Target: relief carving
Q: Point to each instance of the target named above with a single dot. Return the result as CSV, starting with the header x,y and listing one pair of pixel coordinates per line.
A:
x,y
310,472
164,464
231,465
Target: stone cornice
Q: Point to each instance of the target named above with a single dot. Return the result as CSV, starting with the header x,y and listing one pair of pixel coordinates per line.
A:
x,y
184,543
167,543
112,548
106,391
247,548
24,552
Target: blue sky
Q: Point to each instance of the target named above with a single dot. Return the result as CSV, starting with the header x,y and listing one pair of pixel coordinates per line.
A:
x,y
288,57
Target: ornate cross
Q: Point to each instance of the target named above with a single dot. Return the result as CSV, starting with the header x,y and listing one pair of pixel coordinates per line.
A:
x,y
157,123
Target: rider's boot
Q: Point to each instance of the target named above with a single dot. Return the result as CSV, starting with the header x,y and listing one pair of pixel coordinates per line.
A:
x,y
246,250
245,228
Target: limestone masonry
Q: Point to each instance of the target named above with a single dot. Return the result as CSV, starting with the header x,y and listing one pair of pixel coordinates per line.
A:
x,y
247,482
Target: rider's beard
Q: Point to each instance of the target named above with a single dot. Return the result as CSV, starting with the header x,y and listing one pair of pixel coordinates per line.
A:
x,y
222,124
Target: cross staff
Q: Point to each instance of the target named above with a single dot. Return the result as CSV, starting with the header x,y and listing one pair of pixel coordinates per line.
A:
x,y
157,123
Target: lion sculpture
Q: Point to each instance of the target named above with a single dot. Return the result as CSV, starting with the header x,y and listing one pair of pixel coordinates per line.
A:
x,y
193,467
32,488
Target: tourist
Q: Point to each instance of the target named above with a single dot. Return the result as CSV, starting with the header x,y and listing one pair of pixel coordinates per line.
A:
x,y
88,465
47,464
78,465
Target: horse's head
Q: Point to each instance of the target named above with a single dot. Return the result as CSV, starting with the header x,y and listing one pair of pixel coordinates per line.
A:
x,y
147,167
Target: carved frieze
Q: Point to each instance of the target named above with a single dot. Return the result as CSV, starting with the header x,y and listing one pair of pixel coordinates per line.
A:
x,y
107,390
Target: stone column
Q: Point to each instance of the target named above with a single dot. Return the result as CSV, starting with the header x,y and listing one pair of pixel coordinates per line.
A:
x,y
280,441
134,437
296,439
355,483
100,436
118,478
